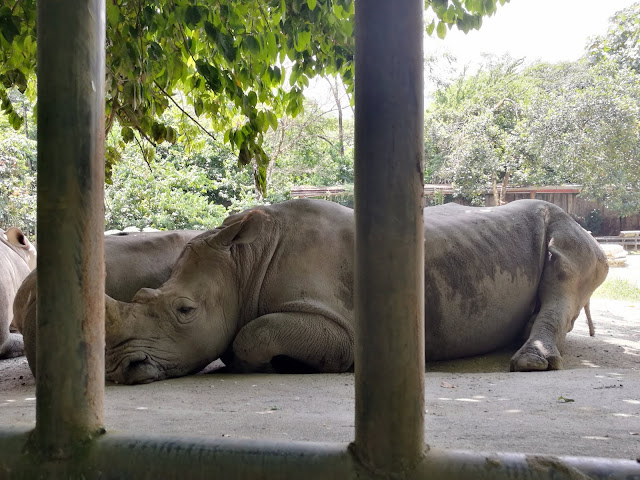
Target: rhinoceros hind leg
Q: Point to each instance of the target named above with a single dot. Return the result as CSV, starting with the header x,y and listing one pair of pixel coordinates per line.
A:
x,y
536,356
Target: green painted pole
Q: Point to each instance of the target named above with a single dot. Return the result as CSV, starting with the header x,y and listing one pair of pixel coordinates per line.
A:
x,y
70,332
389,268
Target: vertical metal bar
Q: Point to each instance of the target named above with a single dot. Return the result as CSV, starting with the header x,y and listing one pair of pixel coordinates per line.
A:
x,y
389,270
70,336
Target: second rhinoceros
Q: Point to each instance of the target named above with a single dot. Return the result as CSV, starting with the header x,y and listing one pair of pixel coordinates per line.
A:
x,y
273,287
132,261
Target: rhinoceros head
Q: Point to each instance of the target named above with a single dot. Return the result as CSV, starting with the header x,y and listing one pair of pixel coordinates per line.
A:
x,y
187,322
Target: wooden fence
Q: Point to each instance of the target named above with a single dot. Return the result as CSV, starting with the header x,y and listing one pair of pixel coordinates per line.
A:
x,y
566,197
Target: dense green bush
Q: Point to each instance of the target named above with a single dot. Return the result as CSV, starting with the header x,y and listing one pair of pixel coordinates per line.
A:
x,y
18,183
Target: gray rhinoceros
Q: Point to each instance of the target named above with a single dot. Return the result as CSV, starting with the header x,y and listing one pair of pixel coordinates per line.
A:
x,y
132,261
17,259
273,287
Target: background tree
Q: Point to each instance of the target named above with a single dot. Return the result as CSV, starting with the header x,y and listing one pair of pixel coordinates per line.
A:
x,y
315,148
582,127
474,130
621,43
18,168
542,125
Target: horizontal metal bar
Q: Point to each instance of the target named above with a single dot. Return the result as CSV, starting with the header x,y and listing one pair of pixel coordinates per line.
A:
x,y
141,457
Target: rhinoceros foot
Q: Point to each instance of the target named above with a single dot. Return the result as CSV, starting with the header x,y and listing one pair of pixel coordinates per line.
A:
x,y
534,356
12,347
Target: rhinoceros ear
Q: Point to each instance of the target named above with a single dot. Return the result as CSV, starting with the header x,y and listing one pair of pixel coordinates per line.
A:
x,y
16,237
238,229
20,241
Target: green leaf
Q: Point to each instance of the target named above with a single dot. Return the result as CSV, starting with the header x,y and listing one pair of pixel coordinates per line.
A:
x,y
449,15
192,16
171,135
113,13
225,42
211,75
273,120
15,120
441,30
9,25
253,98
562,399
244,157
271,45
198,106
312,4
431,27
252,44
158,132
211,31
127,134
154,51
302,39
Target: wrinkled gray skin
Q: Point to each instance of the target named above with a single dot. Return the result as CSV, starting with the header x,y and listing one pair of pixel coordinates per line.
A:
x,y
272,289
17,259
132,261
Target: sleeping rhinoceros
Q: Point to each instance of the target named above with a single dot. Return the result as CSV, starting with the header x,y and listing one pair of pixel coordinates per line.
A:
x,y
132,261
17,259
275,284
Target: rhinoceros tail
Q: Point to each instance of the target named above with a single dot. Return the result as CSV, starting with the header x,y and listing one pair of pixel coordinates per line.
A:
x,y
587,311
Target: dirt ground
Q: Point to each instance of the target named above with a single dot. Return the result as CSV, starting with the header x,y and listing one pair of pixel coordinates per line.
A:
x,y
592,407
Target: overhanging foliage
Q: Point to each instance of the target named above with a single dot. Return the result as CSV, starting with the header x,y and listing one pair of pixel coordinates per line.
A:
x,y
241,64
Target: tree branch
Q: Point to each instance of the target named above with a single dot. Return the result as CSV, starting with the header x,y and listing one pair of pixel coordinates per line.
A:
x,y
112,115
15,5
322,137
183,110
144,155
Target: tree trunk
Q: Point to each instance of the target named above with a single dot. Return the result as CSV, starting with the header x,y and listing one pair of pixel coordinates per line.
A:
x,y
336,96
494,190
256,186
503,193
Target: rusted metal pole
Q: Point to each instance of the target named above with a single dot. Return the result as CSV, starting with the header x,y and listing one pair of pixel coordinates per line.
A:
x,y
389,269
70,335
120,456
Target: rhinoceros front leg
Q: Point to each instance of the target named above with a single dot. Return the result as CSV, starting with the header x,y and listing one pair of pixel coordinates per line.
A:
x,y
312,340
11,346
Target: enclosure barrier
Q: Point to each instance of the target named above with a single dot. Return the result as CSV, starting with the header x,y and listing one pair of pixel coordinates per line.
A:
x,y
70,221
68,440
629,243
118,456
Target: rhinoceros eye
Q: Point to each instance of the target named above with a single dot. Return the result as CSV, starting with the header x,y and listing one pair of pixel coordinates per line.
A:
x,y
185,309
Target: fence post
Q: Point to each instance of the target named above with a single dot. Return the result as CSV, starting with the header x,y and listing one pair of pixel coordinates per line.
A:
x,y
70,332
389,269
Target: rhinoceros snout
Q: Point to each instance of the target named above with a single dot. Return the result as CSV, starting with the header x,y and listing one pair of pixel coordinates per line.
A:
x,y
133,368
